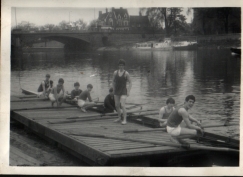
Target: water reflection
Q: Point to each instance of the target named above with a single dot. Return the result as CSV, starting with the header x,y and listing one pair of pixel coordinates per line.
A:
x,y
212,75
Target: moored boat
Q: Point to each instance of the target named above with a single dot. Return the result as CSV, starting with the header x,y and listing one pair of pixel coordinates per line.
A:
x,y
185,45
236,50
154,45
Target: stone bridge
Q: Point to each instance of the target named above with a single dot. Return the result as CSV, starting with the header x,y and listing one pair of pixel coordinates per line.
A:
x,y
81,40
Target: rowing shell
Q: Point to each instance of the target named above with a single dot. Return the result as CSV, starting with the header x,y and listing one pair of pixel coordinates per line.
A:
x,y
71,102
29,92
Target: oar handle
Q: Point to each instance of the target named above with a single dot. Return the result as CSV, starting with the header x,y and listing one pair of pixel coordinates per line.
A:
x,y
89,135
130,131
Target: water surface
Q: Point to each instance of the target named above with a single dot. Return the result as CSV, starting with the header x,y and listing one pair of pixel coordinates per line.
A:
x,y
211,75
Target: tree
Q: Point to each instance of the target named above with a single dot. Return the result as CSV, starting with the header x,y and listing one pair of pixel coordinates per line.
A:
x,y
63,25
26,26
223,15
81,24
216,20
92,24
50,27
169,18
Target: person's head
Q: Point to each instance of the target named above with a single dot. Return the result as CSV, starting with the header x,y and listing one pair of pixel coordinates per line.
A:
x,y
76,85
48,77
121,64
89,87
170,102
111,91
60,81
189,101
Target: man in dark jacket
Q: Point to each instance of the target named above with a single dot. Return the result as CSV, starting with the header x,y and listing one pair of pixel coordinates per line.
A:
x,y
109,102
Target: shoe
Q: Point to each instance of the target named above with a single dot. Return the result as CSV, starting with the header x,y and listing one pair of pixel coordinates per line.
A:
x,y
82,109
123,123
117,120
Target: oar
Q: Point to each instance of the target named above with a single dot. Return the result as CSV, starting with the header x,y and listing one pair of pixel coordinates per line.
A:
x,y
25,97
106,114
27,100
218,125
61,107
163,129
143,130
187,146
82,120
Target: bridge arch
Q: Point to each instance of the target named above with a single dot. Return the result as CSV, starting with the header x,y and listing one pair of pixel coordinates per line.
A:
x,y
70,41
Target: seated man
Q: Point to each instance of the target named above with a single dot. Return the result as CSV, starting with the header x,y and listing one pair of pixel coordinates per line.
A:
x,y
181,113
76,92
45,86
82,101
56,95
109,102
166,111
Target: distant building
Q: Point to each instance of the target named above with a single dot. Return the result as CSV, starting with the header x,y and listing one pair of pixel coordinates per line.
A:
x,y
117,19
139,22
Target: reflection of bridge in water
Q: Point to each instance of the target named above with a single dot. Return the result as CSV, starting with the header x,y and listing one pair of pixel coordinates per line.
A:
x,y
80,40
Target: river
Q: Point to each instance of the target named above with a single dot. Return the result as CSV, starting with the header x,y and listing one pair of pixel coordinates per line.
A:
x,y
211,75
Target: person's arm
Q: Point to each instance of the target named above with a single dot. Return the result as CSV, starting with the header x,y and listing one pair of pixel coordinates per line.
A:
x,y
89,97
72,94
114,81
77,97
55,94
161,114
194,120
63,90
185,116
130,84
43,87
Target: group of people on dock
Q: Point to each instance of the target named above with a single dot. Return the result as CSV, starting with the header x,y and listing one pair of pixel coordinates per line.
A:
x,y
170,117
115,101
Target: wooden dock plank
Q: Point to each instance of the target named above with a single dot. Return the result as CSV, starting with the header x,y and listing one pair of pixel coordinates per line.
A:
x,y
21,158
140,151
97,149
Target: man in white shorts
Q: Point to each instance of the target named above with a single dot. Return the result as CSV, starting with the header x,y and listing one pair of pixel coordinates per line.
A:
x,y
82,101
177,116
56,95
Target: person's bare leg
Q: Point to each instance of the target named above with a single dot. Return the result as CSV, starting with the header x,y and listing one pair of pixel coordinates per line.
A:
x,y
88,105
123,105
184,134
117,102
61,99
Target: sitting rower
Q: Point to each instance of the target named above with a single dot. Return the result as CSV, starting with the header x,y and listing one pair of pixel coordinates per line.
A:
x,y
166,111
56,95
109,102
76,92
177,116
45,86
82,101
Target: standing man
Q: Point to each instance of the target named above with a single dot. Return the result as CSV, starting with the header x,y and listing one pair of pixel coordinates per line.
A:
x,y
181,113
120,80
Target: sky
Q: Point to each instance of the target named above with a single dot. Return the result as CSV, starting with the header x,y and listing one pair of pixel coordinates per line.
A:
x,y
42,16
